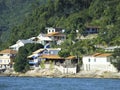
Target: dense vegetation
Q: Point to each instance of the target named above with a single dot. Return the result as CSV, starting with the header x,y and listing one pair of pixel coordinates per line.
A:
x,y
21,61
12,14
71,15
116,55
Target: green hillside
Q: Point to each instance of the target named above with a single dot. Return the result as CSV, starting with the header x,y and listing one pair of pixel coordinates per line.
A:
x,y
13,13
71,15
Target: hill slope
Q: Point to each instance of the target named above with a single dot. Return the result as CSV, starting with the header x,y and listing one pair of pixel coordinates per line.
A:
x,y
72,15
13,13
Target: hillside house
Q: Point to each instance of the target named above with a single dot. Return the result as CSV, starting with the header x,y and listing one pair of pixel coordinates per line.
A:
x,y
20,43
98,61
111,48
56,34
57,37
64,65
91,30
51,30
6,58
42,39
34,59
50,56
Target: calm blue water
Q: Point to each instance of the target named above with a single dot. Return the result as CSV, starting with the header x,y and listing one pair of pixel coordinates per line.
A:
x,y
30,83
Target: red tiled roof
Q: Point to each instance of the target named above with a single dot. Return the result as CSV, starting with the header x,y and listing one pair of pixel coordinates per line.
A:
x,y
8,51
55,34
56,57
102,54
51,57
96,54
71,57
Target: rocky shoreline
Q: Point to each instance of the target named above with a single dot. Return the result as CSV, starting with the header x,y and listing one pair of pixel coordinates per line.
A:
x,y
56,74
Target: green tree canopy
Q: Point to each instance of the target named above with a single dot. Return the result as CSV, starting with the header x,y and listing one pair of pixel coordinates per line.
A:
x,y
21,61
116,55
64,53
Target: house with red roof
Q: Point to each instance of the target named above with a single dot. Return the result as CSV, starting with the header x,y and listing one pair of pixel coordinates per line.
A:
x,y
98,62
6,58
49,56
56,34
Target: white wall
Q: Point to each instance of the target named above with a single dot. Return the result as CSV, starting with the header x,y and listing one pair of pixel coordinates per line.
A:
x,y
97,63
5,59
50,30
63,70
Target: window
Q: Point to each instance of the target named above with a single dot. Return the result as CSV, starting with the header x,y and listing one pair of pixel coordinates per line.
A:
x,y
1,54
89,60
94,60
4,61
51,52
0,61
108,60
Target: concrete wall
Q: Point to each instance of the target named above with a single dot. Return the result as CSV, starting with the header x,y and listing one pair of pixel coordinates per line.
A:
x,y
91,63
63,70
5,59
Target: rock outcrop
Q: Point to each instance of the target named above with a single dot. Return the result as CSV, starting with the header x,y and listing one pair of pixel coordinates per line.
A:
x,y
56,73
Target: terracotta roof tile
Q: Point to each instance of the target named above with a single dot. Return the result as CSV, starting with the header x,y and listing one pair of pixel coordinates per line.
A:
x,y
96,54
51,57
104,55
56,57
55,34
8,51
101,54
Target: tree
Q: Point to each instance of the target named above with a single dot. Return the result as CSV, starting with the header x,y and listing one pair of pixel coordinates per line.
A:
x,y
116,55
64,53
21,62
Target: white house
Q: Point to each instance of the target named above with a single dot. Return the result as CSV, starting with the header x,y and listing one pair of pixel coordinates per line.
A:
x,y
91,30
43,39
57,37
51,30
98,61
53,35
111,48
34,59
50,57
6,58
20,43
56,34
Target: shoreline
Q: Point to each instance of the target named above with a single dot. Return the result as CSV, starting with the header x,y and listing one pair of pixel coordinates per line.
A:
x,y
107,75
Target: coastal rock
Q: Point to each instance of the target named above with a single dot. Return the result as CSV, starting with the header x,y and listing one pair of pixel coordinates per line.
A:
x,y
56,73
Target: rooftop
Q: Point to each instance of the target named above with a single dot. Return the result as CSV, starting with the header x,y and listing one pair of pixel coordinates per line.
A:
x,y
102,54
38,51
56,57
51,57
8,51
55,34
71,57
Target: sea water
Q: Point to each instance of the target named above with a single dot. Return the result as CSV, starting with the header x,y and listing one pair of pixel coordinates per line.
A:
x,y
34,83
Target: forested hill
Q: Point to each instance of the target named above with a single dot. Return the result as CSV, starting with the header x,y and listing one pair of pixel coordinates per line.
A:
x,y
71,15
13,13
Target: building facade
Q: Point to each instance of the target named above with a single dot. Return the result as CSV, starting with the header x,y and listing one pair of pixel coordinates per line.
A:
x,y
6,58
100,62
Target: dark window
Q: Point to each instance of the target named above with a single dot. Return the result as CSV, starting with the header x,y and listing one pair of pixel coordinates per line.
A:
x,y
88,60
94,60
